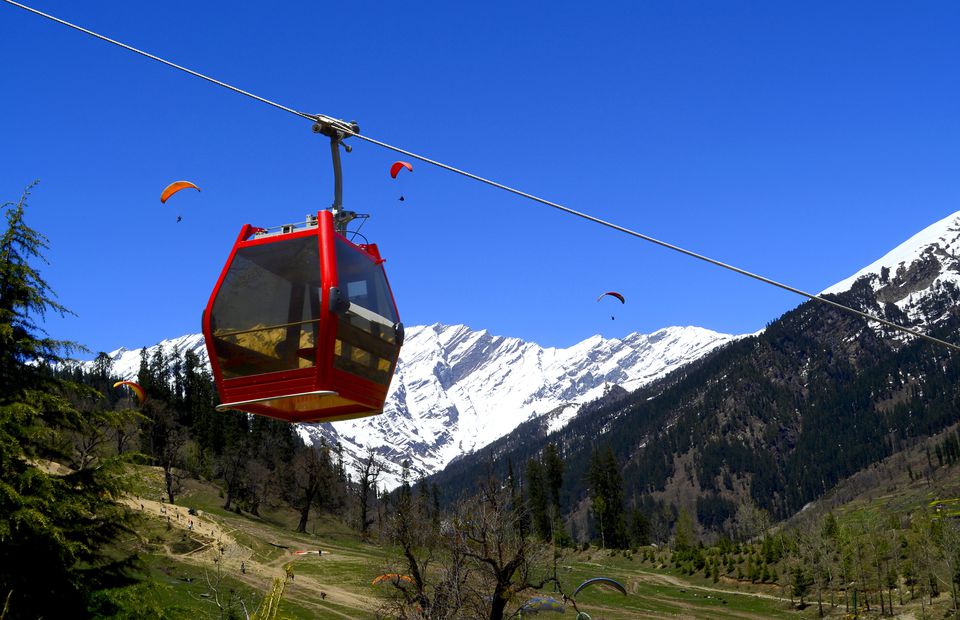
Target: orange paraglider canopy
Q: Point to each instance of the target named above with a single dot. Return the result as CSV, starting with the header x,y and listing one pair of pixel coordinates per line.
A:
x,y
141,395
396,167
394,577
175,187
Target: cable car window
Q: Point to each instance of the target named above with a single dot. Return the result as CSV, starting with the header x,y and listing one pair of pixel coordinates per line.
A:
x,y
356,290
366,343
364,281
266,315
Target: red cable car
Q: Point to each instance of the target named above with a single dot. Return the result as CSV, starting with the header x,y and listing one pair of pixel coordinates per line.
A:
x,y
302,325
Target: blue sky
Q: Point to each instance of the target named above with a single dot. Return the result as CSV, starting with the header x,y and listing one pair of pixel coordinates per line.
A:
x,y
799,140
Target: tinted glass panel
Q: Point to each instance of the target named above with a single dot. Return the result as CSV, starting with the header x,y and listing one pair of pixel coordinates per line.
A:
x,y
366,341
363,281
266,315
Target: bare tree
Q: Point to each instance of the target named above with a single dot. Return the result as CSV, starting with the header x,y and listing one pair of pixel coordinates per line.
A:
x,y
880,556
489,533
124,428
233,468
750,521
950,547
368,470
308,473
475,563
813,550
229,603
922,554
89,440
169,439
260,485
170,460
419,544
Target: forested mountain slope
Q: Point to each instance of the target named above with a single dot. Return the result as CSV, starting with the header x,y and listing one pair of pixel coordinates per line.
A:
x,y
778,418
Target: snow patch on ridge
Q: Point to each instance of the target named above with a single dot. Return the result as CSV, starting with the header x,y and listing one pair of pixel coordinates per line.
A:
x,y
943,235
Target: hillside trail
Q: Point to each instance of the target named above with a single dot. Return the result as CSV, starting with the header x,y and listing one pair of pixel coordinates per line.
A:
x,y
684,609
215,543
675,581
201,528
670,580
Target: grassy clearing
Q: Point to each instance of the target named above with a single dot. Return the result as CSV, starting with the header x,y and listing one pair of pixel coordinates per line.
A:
x,y
655,593
336,583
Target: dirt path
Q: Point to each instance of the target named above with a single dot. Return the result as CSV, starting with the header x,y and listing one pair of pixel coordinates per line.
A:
x,y
670,580
215,541
682,608
207,532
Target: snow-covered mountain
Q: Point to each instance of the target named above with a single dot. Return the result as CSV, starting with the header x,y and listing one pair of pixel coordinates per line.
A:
x,y
126,362
940,241
777,420
457,389
916,282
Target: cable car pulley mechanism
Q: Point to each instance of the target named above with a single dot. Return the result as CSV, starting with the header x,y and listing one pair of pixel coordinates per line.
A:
x,y
338,130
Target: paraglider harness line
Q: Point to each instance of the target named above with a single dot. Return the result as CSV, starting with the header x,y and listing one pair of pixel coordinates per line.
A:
x,y
338,130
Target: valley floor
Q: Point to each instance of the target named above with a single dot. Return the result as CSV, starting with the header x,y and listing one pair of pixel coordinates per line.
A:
x,y
225,558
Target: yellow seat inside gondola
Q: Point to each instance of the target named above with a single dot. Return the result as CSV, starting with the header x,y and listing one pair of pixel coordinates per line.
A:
x,y
266,349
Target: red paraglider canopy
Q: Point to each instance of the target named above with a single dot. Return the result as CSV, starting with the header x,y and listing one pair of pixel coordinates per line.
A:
x,y
613,294
397,166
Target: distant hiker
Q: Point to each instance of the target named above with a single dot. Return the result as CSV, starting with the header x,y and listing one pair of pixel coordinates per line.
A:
x,y
243,568
141,505
190,526
319,551
323,595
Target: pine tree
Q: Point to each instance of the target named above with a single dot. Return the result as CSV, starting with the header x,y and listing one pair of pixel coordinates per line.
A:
x,y
639,528
54,527
553,475
684,537
553,467
606,492
143,373
537,499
